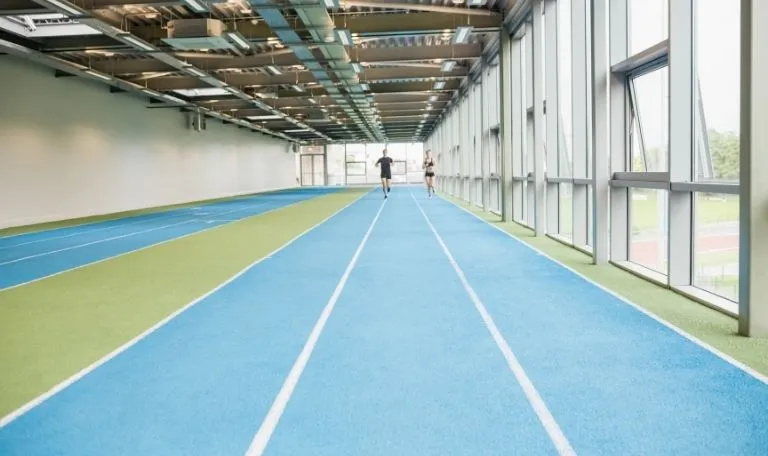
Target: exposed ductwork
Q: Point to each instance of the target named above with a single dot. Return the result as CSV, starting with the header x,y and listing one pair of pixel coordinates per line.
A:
x,y
86,18
338,66
194,34
418,7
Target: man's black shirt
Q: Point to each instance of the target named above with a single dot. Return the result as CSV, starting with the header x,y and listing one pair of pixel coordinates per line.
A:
x,y
385,164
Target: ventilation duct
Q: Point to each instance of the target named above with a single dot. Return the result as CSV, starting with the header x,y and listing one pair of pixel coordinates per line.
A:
x,y
196,34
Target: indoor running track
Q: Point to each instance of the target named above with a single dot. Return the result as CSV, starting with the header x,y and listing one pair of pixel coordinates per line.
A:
x,y
372,334
26,258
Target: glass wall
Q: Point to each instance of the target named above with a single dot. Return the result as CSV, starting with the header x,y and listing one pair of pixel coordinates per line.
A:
x,y
466,142
716,159
672,129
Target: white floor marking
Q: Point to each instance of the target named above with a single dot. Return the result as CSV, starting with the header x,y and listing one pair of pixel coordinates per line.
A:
x,y
145,247
73,247
267,428
4,421
84,232
674,328
160,210
167,215
537,403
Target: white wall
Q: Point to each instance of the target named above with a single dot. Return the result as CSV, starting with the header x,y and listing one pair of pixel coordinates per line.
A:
x,y
69,148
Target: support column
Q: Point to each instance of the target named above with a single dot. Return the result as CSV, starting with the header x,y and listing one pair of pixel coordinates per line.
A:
x,y
600,80
580,116
325,165
539,154
516,133
552,115
681,127
617,152
753,226
485,140
505,124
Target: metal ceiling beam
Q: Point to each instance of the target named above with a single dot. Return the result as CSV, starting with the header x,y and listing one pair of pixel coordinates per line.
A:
x,y
385,4
370,75
106,25
368,25
368,55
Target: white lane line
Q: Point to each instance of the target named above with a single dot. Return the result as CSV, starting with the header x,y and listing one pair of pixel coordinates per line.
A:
x,y
84,232
557,436
204,203
145,247
170,215
73,247
7,419
267,428
682,333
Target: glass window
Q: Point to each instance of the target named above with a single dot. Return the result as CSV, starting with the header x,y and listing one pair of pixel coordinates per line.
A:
x,y
589,215
565,218
336,164
527,58
716,89
648,23
477,130
649,127
716,244
564,88
648,228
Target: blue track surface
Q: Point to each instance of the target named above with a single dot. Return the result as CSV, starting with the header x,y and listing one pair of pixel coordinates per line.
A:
x,y
405,365
29,257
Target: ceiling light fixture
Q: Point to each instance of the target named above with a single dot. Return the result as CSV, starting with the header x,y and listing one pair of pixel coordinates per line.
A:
x,y
448,65
357,67
298,130
433,98
274,70
439,85
297,88
462,34
195,5
239,40
269,117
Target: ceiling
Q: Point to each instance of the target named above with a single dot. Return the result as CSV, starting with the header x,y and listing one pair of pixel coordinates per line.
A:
x,y
304,70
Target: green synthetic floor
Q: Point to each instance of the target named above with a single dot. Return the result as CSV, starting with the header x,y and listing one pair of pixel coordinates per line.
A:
x,y
708,325
51,329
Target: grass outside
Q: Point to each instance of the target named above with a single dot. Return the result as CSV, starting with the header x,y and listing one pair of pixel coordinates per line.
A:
x,y
709,210
710,326
53,328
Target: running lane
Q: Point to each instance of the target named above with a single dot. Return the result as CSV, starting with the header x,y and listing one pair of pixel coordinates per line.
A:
x,y
405,365
201,384
34,256
617,381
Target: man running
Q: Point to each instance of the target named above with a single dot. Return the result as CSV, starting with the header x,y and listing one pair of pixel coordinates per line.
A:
x,y
386,171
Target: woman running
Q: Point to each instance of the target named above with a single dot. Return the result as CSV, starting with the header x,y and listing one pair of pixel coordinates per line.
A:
x,y
429,173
